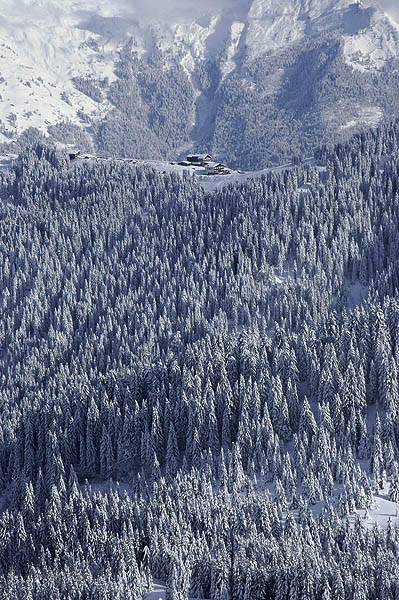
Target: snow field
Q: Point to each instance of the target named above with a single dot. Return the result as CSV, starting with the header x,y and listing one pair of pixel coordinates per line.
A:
x,y
43,45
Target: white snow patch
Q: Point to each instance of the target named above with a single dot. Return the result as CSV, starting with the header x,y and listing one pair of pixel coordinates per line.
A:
x,y
7,161
273,32
214,182
189,40
366,115
210,183
45,43
42,46
371,48
370,115
278,280
350,123
381,511
159,592
236,31
370,35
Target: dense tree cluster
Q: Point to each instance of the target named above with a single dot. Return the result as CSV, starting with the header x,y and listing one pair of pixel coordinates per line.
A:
x,y
89,86
153,107
289,102
210,353
264,112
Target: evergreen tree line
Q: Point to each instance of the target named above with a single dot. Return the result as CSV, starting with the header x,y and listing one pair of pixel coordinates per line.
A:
x,y
266,111
209,353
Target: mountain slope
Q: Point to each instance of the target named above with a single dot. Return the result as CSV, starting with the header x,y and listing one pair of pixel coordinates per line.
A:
x,y
200,388
253,81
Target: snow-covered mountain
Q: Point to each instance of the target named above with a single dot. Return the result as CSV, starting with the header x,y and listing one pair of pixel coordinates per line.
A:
x,y
58,57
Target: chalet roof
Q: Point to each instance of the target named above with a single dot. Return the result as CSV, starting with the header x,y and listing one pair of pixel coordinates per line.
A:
x,y
199,157
215,165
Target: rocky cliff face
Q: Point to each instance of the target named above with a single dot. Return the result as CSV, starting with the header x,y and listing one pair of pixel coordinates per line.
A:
x,y
253,80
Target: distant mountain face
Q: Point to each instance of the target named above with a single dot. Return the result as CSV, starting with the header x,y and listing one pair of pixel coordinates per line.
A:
x,y
252,81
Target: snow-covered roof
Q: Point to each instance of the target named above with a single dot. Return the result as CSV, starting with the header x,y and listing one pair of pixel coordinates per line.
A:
x,y
199,156
215,165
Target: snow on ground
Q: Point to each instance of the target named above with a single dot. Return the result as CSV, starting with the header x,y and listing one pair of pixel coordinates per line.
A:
x,y
228,66
106,486
45,43
356,114
381,512
370,35
370,115
42,46
7,161
273,24
350,123
210,183
373,46
278,280
158,592
192,37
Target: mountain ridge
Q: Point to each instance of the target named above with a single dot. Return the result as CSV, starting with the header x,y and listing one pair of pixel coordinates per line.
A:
x,y
67,77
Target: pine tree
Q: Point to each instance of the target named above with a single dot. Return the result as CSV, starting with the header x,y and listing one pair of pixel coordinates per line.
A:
x,y
172,453
107,460
394,487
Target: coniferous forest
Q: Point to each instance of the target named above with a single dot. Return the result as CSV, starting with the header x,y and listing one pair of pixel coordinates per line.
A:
x,y
200,388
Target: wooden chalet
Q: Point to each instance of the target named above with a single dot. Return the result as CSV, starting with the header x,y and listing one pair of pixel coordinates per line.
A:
x,y
200,160
215,168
